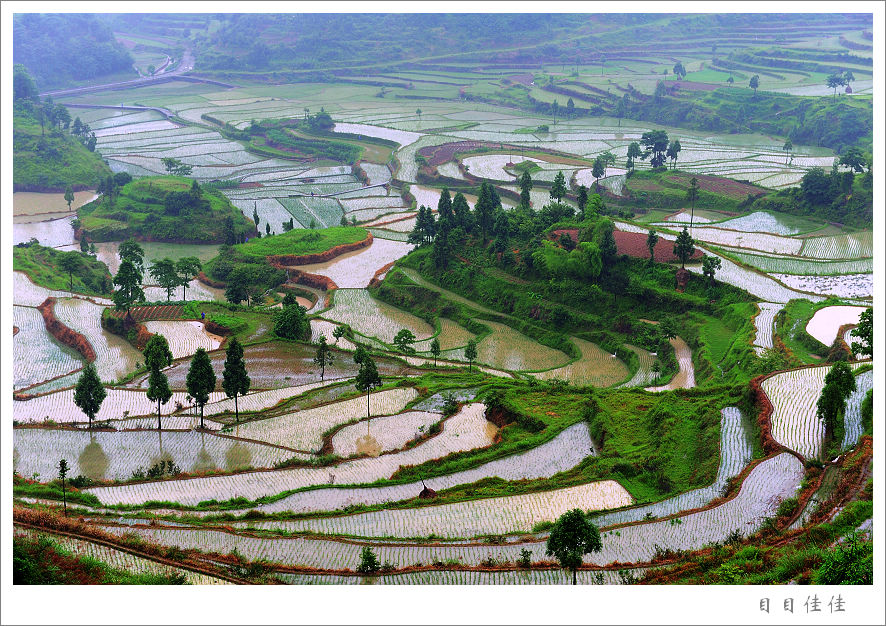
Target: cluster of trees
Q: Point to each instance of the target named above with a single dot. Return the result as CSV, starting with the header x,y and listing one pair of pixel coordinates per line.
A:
x,y
169,274
46,111
840,79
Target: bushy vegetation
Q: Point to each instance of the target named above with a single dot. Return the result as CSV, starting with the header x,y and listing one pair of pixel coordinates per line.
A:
x,y
49,268
164,208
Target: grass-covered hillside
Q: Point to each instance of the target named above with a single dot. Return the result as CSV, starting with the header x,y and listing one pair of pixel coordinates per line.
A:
x,y
50,159
300,241
55,269
164,208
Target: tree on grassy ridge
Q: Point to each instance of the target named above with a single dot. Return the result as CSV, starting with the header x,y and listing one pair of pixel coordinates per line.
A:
x,y
404,340
291,322
69,196
833,81
435,349
324,356
89,392
831,406
633,152
200,380
709,266
187,268
164,272
673,152
656,143
525,188
691,197
864,331
471,353
62,473
235,380
367,378
158,390
70,262
571,538
597,171
175,167
128,280
582,199
558,189
651,241
157,353
684,246
131,251
754,83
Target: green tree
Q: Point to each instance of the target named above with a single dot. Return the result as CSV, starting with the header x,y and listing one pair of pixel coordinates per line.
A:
x,y
471,353
865,332
89,392
404,340
158,389
70,262
23,86
571,538
854,158
435,349
201,379
570,108
621,108
367,377
656,143
597,171
444,207
235,380
582,199
709,267
633,152
788,148
651,241
131,251
848,563
730,80
187,269
164,272
558,189
338,333
84,243
368,562
462,212
754,83
684,246
691,197
157,354
679,70
291,322
833,81
673,151
128,280
485,210
324,356
69,196
175,167
831,406
606,243
525,188
62,474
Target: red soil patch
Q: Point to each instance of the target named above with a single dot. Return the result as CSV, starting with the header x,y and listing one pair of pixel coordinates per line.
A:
x,y
722,186
249,185
153,312
14,331
62,333
209,282
376,281
634,244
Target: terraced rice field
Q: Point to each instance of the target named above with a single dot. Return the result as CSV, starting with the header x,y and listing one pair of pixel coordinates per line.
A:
x,y
852,418
783,265
36,355
764,323
755,283
827,321
846,286
184,337
383,433
849,246
303,430
26,293
322,327
32,203
259,400
509,514
114,356
762,242
644,374
51,233
595,367
562,453
455,577
451,336
736,451
116,455
510,350
373,318
355,269
59,406
123,560
685,376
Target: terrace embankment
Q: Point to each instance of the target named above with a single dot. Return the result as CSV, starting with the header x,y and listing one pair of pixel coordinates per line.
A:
x,y
62,333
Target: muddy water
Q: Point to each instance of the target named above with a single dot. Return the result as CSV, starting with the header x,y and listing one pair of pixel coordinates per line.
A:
x,y
827,321
356,269
32,203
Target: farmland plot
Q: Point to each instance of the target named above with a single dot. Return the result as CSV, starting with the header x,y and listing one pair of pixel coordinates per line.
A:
x,y
849,246
451,336
456,577
749,240
114,356
322,327
351,205
59,406
26,293
595,367
32,204
378,174
506,348
383,433
355,269
259,400
782,265
509,514
303,430
756,284
764,323
36,356
827,321
184,337
852,419
644,374
561,453
685,376
116,455
123,560
51,233
140,127
270,213
374,318
451,170
846,286
736,451
404,138
684,217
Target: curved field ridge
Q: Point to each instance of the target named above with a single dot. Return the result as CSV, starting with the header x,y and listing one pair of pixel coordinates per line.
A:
x,y
372,318
509,514
384,433
827,321
35,355
644,374
764,323
116,455
845,286
123,560
685,376
852,419
355,269
563,452
184,336
595,367
59,406
259,400
736,451
766,485
303,430
849,246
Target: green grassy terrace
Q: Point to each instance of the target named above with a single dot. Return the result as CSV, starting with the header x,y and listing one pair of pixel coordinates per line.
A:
x,y
146,209
301,241
42,265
